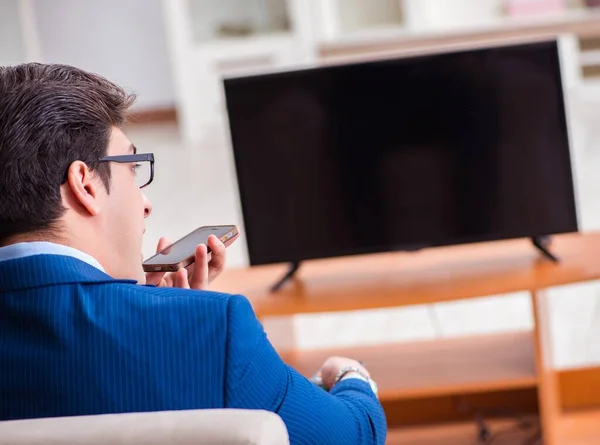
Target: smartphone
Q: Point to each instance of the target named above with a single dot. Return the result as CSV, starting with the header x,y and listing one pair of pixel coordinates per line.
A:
x,y
182,252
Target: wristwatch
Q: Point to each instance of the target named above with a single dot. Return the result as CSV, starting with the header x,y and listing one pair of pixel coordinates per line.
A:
x,y
361,375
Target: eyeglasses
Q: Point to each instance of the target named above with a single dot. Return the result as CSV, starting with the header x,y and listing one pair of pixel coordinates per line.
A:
x,y
143,168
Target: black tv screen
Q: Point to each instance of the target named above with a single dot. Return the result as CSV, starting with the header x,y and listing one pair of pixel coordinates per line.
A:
x,y
400,154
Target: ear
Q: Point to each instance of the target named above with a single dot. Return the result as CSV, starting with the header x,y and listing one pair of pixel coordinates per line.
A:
x,y
83,188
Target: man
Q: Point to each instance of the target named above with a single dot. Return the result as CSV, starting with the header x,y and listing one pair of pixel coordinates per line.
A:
x,y
79,334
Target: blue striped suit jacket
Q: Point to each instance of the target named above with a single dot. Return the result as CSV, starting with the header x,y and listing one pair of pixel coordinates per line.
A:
x,y
74,341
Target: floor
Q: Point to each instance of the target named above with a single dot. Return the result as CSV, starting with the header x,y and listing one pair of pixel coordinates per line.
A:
x,y
195,185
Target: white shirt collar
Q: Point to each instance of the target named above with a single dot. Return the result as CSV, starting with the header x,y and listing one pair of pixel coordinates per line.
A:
x,y
22,250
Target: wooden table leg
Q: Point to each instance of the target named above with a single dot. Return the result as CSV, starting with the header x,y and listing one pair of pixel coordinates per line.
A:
x,y
548,395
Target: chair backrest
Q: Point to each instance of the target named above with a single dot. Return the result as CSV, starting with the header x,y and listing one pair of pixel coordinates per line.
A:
x,y
196,427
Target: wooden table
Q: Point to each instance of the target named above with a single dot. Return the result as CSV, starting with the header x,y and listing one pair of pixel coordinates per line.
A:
x,y
492,363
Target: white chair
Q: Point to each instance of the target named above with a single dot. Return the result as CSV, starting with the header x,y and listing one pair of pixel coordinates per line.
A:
x,y
196,427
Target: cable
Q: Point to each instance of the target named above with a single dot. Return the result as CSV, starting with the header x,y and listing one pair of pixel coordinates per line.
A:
x,y
486,436
513,430
483,432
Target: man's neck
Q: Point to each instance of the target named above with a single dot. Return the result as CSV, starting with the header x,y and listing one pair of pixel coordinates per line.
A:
x,y
53,237
23,249
32,238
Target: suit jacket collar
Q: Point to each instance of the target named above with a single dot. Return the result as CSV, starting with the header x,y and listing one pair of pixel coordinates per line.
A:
x,y
47,270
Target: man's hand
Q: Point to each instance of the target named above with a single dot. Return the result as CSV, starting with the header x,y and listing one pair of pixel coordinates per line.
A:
x,y
197,275
332,366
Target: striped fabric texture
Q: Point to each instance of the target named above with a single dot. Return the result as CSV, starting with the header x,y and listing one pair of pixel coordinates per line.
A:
x,y
74,341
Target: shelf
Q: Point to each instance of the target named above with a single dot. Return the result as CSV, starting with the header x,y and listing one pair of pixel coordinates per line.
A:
x,y
459,434
366,14
224,19
442,367
425,277
579,21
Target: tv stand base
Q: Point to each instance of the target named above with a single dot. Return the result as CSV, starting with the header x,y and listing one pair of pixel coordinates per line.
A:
x,y
542,243
294,266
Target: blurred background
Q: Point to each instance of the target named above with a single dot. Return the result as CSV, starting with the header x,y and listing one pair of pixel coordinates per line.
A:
x,y
174,53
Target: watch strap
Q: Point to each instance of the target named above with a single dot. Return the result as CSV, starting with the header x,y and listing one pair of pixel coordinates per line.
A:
x,y
353,369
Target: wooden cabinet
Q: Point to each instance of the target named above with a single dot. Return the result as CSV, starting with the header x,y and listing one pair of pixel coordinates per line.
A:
x,y
408,372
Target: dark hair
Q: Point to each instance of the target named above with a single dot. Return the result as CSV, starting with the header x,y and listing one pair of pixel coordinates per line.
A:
x,y
51,116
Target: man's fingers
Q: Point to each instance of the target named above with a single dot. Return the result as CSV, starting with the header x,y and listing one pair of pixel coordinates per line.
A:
x,y
168,280
199,277
181,279
218,256
200,273
163,243
157,278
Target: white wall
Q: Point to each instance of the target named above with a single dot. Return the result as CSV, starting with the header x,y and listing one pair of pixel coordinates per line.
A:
x,y
123,40
12,50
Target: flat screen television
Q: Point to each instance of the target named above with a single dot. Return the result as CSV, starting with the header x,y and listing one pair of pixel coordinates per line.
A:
x,y
402,154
